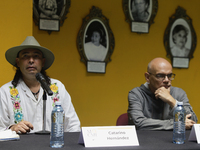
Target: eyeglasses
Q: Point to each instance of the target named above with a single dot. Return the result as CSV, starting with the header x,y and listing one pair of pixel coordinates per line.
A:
x,y
162,76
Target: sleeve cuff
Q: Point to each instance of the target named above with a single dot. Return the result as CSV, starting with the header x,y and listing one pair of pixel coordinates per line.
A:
x,y
174,106
9,127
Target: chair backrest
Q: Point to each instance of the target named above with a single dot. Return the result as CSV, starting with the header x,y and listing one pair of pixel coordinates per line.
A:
x,y
122,120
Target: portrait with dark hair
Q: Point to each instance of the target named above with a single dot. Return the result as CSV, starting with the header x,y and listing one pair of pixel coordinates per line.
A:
x,y
95,44
179,39
140,10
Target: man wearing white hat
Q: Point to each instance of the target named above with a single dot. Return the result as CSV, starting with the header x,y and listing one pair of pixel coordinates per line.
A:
x,y
21,100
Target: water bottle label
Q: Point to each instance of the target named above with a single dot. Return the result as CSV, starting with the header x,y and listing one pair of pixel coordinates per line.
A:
x,y
179,117
57,118
57,123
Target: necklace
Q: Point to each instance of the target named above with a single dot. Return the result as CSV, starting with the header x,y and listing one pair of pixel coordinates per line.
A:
x,y
36,94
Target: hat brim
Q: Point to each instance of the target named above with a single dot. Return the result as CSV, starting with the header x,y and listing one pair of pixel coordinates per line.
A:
x,y
11,54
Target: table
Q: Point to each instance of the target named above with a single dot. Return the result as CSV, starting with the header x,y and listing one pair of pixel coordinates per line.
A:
x,y
148,140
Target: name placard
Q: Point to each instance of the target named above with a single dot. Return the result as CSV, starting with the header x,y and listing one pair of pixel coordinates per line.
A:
x,y
96,67
47,24
195,133
180,62
140,27
108,136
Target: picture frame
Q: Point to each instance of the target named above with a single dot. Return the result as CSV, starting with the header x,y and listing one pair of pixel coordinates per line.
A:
x,y
49,15
140,19
180,39
95,41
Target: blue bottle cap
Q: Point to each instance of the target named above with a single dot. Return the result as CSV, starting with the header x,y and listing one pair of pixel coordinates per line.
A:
x,y
58,103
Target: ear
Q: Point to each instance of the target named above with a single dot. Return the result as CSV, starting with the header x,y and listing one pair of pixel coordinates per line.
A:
x,y
174,38
43,62
147,75
17,61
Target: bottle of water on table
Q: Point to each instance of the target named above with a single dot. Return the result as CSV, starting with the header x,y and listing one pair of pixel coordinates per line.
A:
x,y
179,124
57,126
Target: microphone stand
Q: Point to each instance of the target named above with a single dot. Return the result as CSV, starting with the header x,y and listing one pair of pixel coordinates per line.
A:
x,y
44,116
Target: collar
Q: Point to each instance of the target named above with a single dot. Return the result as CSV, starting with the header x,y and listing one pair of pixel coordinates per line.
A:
x,y
26,89
146,84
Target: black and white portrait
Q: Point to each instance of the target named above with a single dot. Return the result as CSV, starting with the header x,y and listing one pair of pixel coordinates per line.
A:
x,y
140,10
96,41
49,9
180,39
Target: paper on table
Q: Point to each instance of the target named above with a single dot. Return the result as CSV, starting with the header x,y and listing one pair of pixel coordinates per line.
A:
x,y
195,133
8,135
107,136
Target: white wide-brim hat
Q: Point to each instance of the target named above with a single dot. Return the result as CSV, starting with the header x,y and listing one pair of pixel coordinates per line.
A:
x,y
30,42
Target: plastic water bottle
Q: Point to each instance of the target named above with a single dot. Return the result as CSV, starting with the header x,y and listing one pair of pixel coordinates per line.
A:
x,y
57,126
179,124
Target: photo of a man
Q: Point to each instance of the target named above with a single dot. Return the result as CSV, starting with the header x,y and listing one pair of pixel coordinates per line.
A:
x,y
140,10
49,9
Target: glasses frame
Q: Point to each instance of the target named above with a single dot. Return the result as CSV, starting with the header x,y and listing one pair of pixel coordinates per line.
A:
x,y
162,78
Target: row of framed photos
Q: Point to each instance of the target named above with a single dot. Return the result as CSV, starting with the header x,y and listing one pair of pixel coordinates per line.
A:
x,y
95,40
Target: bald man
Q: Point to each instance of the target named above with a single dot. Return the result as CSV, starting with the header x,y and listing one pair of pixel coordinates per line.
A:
x,y
152,104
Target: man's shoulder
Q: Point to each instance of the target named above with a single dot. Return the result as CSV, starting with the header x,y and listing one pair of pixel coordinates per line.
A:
x,y
173,88
56,81
7,84
176,91
138,88
6,87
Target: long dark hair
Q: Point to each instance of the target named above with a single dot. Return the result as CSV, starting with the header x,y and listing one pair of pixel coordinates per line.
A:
x,y
177,29
18,76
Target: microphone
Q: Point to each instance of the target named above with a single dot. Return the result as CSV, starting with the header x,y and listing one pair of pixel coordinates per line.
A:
x,y
43,83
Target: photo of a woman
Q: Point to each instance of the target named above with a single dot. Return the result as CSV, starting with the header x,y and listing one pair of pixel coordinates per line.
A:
x,y
95,42
179,37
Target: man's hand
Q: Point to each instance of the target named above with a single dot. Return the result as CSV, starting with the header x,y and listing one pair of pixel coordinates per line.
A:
x,y
164,94
23,127
188,122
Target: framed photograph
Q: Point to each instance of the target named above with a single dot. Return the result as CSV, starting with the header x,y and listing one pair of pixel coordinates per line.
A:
x,y
95,41
49,15
180,39
140,14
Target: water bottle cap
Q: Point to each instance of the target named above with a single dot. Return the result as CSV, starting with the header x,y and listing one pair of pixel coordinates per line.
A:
x,y
179,103
58,103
